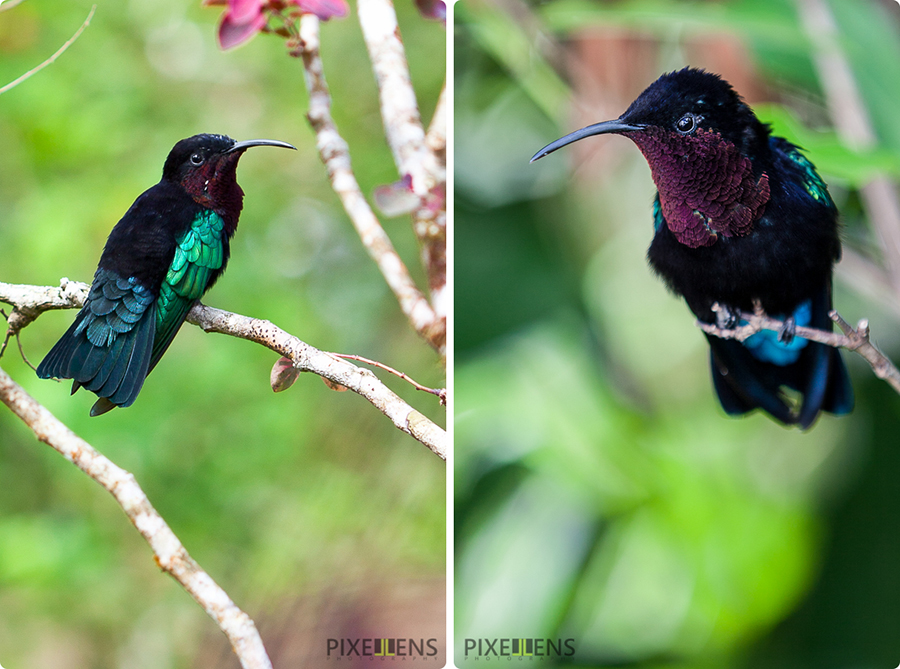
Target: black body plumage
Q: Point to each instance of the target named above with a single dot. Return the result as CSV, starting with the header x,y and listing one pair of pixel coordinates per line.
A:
x,y
168,249
740,216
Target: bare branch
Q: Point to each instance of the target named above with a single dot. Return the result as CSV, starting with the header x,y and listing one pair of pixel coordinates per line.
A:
x,y
399,109
436,137
430,221
306,358
52,58
31,301
853,340
335,154
416,154
168,551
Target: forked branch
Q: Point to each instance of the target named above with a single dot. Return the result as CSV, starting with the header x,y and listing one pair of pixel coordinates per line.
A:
x,y
856,340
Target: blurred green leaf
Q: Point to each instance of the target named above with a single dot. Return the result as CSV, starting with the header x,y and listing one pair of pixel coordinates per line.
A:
x,y
827,152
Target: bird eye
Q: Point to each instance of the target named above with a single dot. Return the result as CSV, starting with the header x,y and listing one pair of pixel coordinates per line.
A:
x,y
686,123
196,159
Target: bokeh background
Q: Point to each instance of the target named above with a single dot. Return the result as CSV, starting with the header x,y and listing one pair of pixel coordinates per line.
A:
x,y
601,493
316,515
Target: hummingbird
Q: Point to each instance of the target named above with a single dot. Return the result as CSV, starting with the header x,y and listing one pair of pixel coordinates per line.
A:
x,y
168,249
740,216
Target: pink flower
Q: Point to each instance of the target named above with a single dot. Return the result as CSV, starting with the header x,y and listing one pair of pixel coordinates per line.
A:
x,y
324,9
244,18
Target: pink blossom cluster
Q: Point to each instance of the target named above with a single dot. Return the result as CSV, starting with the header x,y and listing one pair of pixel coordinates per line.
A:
x,y
244,18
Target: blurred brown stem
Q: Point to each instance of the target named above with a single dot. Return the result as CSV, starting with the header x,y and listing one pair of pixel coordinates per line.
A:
x,y
853,125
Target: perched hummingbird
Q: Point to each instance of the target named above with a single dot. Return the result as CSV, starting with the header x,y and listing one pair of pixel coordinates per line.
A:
x,y
740,215
168,249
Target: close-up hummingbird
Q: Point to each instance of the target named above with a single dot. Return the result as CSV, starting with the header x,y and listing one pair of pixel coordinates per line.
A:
x,y
740,216
168,249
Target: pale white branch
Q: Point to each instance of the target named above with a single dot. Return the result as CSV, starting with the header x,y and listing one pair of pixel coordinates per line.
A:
x,y
429,221
399,108
421,156
335,154
168,551
31,301
307,358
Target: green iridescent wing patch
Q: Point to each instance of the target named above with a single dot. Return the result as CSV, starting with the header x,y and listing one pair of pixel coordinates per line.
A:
x,y
812,182
199,252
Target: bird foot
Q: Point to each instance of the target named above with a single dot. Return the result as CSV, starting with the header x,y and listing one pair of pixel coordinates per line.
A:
x,y
727,318
788,330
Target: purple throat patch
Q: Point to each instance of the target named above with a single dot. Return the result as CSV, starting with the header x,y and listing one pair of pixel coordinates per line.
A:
x,y
706,187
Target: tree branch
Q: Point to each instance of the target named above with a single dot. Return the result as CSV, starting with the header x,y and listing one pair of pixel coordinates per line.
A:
x,y
30,301
168,551
430,221
399,108
335,154
419,155
853,340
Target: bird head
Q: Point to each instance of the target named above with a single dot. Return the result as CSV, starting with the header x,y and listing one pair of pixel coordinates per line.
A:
x,y
701,141
205,166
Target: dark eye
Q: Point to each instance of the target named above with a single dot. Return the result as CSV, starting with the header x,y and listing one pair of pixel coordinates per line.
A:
x,y
686,123
196,159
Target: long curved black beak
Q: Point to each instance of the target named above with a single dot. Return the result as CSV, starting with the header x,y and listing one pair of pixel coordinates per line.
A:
x,y
240,146
597,129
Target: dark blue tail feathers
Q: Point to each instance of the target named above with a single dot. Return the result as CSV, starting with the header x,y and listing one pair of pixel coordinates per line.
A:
x,y
108,348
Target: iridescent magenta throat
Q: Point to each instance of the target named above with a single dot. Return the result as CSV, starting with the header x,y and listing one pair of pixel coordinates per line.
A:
x,y
214,186
706,187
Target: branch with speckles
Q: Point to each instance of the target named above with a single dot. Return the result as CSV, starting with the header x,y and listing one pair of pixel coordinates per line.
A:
x,y
335,153
168,551
30,301
856,340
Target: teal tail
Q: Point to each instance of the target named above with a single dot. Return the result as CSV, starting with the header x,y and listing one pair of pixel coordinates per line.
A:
x,y
108,348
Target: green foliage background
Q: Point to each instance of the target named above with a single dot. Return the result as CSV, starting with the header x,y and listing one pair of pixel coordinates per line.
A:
x,y
601,493
279,497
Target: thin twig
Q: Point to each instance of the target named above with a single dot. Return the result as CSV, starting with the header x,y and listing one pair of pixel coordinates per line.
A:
x,y
853,340
52,58
30,301
335,154
440,392
168,551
